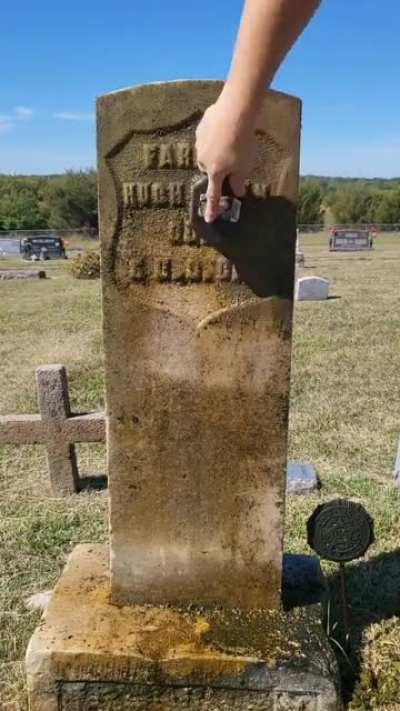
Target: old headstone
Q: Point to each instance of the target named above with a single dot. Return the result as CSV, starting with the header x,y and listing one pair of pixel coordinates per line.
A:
x,y
312,289
350,240
197,367
197,332
301,478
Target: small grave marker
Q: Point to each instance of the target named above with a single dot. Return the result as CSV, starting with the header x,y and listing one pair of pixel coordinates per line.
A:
x,y
341,531
7,274
312,288
301,478
56,428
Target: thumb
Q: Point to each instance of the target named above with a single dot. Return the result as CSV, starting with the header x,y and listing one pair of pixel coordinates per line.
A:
x,y
215,181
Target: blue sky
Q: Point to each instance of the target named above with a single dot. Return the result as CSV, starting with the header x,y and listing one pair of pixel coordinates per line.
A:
x,y
55,58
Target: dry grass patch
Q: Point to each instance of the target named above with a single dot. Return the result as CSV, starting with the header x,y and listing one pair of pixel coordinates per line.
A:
x,y
86,265
379,684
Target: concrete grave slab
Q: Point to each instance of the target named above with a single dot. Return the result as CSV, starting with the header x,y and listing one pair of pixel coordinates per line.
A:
x,y
8,274
126,658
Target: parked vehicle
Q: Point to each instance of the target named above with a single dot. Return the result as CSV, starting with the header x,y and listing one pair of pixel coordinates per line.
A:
x,y
42,247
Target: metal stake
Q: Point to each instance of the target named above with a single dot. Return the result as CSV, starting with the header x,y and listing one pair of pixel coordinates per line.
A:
x,y
345,606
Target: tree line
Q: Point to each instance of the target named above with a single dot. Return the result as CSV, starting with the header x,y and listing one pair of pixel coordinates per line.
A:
x,y
348,201
69,201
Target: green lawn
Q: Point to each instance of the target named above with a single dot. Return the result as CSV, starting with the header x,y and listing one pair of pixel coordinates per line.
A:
x,y
345,418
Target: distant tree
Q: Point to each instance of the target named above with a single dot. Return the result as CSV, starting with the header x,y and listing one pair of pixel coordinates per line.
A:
x,y
309,211
387,209
20,204
351,204
70,201
374,205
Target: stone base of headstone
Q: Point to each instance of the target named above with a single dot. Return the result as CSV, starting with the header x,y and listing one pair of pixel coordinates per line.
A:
x,y
90,654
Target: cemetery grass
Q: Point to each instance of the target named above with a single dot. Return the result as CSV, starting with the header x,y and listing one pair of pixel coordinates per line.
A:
x,y
345,418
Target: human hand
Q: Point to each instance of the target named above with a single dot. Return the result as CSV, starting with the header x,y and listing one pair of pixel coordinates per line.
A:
x,y
225,147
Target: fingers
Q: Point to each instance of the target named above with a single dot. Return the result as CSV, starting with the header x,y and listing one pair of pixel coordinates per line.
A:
x,y
214,192
215,181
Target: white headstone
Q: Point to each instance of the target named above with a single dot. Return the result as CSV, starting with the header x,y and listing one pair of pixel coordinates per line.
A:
x,y
312,289
301,478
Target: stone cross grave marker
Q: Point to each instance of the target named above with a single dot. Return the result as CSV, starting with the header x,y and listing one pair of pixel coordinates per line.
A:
x,y
197,333
197,366
56,428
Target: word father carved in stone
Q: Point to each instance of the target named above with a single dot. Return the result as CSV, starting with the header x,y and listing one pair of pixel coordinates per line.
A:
x,y
197,331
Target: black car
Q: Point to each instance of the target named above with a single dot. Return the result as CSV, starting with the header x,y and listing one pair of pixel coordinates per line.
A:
x,y
43,247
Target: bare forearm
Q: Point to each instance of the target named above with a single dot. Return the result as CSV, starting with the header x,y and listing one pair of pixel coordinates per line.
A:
x,y
226,142
268,30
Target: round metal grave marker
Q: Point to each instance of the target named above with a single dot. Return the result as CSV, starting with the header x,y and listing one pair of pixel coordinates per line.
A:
x,y
340,530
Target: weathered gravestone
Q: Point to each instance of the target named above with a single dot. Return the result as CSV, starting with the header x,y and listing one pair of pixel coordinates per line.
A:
x,y
312,289
197,367
350,240
197,330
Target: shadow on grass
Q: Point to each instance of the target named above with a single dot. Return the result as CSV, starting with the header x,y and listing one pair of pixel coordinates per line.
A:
x,y
373,591
98,482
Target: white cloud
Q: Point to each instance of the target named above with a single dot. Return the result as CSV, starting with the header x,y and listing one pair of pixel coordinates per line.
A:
x,y
19,113
74,116
5,125
23,113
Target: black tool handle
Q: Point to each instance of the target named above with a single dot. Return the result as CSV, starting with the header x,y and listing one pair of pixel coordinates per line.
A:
x,y
227,188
